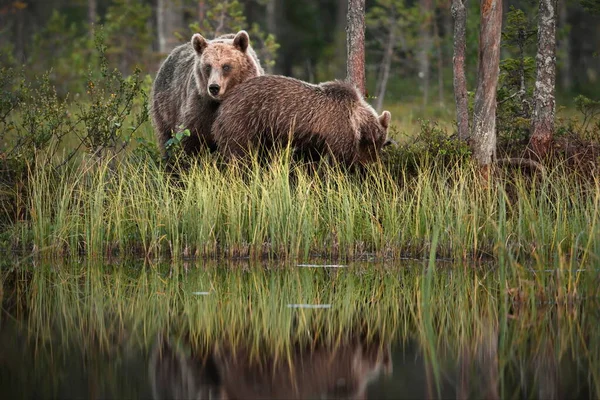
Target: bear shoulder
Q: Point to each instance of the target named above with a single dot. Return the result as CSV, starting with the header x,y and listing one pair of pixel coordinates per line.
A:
x,y
341,91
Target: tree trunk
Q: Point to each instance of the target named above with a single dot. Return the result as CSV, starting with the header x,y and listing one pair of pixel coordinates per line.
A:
x,y
271,25
355,45
169,15
425,48
542,121
440,62
201,11
386,63
459,13
92,15
483,138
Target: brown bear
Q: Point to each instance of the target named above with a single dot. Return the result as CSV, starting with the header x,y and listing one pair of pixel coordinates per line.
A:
x,y
270,110
191,83
220,371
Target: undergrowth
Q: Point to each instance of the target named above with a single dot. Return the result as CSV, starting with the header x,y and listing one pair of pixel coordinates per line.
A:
x,y
286,210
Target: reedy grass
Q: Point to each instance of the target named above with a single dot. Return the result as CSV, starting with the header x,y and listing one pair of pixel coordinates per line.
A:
x,y
285,210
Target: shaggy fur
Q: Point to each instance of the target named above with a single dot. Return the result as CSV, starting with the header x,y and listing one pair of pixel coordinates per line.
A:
x,y
331,117
181,95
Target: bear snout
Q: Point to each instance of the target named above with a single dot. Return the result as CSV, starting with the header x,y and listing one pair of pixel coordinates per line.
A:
x,y
214,89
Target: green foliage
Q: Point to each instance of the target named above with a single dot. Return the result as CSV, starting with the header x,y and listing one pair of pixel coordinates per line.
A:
x,y
109,103
591,6
431,143
7,59
585,128
9,99
519,31
517,75
173,145
38,127
65,51
128,34
266,46
223,17
404,20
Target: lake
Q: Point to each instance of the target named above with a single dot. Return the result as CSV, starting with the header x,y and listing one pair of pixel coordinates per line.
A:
x,y
224,330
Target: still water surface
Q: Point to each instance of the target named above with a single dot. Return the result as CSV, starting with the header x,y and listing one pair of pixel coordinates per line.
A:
x,y
206,332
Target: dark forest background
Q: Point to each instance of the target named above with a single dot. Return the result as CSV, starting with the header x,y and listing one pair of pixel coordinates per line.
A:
x,y
411,40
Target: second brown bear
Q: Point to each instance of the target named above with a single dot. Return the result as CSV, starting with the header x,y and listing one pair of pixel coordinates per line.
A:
x,y
269,111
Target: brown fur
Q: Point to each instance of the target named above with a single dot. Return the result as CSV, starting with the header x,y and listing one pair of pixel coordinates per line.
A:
x,y
341,371
180,95
276,110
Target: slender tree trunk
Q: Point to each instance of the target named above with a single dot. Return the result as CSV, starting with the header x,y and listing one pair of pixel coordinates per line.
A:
x,y
565,46
425,48
386,63
355,45
483,138
169,15
542,120
201,11
271,25
459,13
92,15
440,62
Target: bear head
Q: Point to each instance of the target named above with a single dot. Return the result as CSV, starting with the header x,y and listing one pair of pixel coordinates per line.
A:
x,y
372,130
223,63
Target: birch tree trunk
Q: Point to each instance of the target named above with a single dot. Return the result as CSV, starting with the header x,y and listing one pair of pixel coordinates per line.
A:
x,y
459,13
169,15
542,121
425,48
355,45
483,138
386,63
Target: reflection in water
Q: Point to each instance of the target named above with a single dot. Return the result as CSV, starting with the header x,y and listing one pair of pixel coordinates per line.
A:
x,y
340,371
478,366
86,331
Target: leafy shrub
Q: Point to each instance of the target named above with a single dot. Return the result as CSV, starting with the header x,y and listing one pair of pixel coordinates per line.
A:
x,y
431,143
38,127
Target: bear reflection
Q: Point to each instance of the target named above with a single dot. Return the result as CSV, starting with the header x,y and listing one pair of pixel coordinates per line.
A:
x,y
325,371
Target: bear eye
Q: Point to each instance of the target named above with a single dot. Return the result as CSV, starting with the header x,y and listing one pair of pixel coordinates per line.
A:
x,y
226,68
207,69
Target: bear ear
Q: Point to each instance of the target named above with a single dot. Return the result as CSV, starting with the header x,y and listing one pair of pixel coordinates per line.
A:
x,y
199,43
385,118
241,41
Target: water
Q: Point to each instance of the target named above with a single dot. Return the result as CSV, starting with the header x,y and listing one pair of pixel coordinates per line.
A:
x,y
135,331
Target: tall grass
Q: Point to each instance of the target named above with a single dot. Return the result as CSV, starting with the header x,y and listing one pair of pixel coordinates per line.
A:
x,y
285,210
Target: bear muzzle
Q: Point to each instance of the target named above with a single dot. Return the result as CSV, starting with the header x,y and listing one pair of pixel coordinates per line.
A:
x,y
214,89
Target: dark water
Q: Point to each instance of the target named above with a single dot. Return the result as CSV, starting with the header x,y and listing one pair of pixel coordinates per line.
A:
x,y
554,358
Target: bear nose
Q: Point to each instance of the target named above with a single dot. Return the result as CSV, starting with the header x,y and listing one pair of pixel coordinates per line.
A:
x,y
214,89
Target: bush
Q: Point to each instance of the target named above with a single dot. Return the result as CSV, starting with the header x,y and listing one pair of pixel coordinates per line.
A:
x,y
431,143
